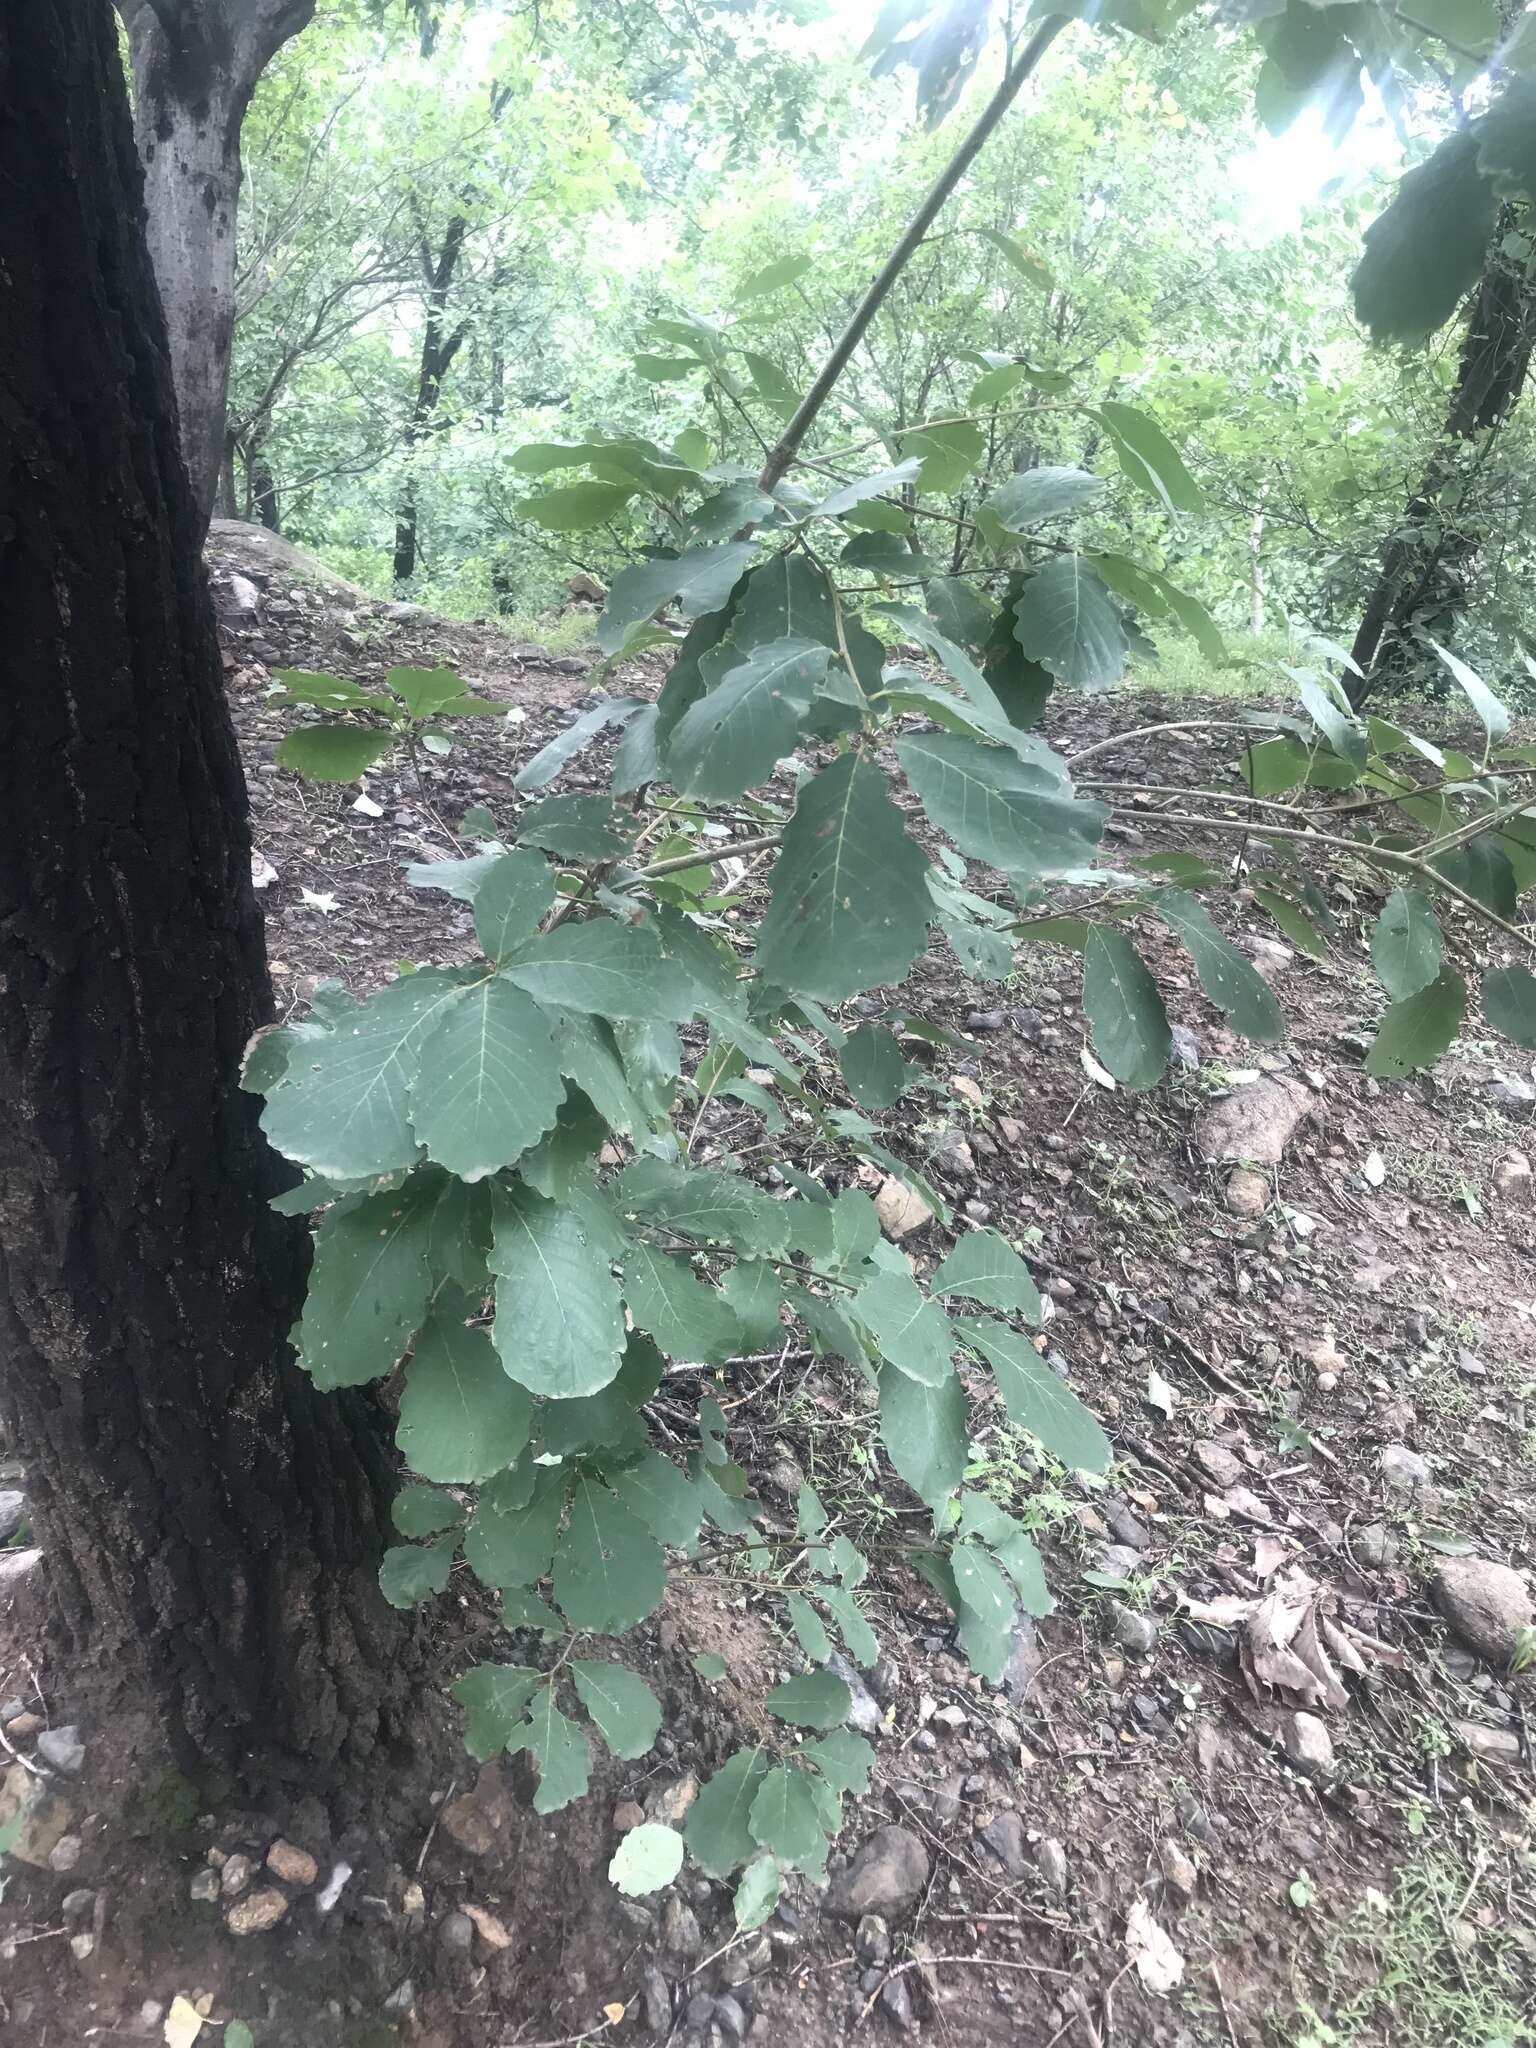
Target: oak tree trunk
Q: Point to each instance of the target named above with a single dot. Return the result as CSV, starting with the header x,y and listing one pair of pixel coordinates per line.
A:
x,y
195,66
210,1524
438,349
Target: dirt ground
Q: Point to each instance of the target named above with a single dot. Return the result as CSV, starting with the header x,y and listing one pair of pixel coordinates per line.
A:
x,y
1335,1395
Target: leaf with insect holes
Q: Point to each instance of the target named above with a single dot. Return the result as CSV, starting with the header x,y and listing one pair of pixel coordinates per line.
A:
x,y
559,1325
986,1269
688,1319
1065,619
1509,1003
847,907
609,1571
873,1068
494,1697
461,1418
1010,813
510,900
757,1893
488,1084
1406,946
621,1703
342,1104
665,1499
1417,1029
907,1329
718,1837
424,1511
511,1535
729,739
923,1430
716,1208
1130,1027
369,1286
786,1819
425,690
333,753
1035,1399
558,1747
817,1699
413,1572
1035,495
648,1858
604,967
1231,981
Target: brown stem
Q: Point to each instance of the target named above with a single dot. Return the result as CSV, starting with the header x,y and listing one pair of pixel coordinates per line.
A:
x,y
1013,80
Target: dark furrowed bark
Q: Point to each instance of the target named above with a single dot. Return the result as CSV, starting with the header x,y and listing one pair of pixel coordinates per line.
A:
x,y
211,1524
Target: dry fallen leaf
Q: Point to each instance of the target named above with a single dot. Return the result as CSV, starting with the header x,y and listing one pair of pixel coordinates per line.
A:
x,y
490,1929
1160,1395
613,2013
1158,1963
183,2023
1269,1553
964,1086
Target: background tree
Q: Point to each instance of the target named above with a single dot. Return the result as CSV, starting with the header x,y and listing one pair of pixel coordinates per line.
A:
x,y
195,66
211,1524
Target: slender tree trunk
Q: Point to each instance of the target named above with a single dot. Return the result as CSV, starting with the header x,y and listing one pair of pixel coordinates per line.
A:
x,y
210,1524
225,504
438,349
1426,569
195,66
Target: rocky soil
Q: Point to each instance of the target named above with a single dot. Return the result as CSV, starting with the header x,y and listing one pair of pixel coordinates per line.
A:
x,y
1263,1777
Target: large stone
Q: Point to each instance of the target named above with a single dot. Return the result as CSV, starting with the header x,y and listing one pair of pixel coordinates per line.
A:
x,y
1253,1125
62,1749
901,1209
887,1876
292,1864
17,1566
1004,1836
1486,1604
1307,1743
1247,1192
44,1816
13,1506
256,1912
482,1818
1404,1470
1489,1745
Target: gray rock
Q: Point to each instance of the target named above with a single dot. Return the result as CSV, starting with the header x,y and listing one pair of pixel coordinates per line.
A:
x,y
1185,1046
1004,1836
946,1800
1136,1634
680,1934
75,1905
985,1020
16,1566
1051,1862
955,1156
1307,1743
896,2002
36,1812
1492,1745
235,1875
864,1716
1024,1659
205,1886
63,1749
1126,1529
887,1876
1118,1559
1486,1604
1512,1094
65,1853
1222,1466
655,2000
1373,1547
730,2017
456,1932
1404,1470
872,1940
13,1508
699,2011
401,2002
